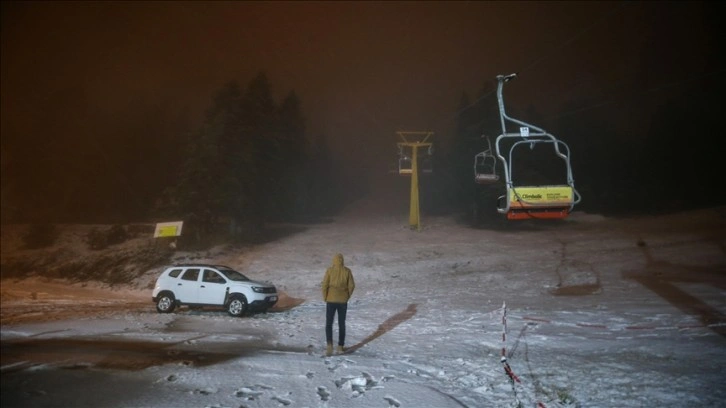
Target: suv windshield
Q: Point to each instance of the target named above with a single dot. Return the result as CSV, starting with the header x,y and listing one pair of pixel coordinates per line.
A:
x,y
231,274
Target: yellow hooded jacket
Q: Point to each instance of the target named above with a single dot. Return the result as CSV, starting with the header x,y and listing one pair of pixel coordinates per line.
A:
x,y
338,283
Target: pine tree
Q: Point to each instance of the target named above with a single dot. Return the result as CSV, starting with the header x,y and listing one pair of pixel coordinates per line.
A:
x,y
258,152
293,169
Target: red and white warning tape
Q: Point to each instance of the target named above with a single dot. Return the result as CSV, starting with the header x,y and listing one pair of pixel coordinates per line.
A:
x,y
514,379
507,369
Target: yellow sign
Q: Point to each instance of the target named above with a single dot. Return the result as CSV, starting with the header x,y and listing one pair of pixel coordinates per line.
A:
x,y
168,229
523,197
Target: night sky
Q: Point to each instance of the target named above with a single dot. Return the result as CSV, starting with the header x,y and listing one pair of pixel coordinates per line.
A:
x,y
363,70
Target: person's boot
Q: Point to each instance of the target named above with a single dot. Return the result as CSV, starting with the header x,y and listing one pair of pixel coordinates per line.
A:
x,y
329,350
341,350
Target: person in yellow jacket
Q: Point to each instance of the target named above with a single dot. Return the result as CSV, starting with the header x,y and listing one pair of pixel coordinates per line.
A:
x,y
338,286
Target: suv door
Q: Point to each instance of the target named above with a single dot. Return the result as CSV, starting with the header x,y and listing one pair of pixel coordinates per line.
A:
x,y
213,288
187,286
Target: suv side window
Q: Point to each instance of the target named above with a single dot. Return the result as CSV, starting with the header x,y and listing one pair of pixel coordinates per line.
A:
x,y
212,277
191,274
174,273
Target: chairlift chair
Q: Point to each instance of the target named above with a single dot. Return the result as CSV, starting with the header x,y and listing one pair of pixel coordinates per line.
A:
x,y
532,201
424,152
405,167
485,164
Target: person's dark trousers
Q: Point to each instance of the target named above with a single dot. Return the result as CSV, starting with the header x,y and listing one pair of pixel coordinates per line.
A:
x,y
341,309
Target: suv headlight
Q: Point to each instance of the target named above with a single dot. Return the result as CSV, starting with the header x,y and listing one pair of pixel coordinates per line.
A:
x,y
258,289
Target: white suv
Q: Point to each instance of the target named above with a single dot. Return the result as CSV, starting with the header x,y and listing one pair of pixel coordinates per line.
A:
x,y
211,285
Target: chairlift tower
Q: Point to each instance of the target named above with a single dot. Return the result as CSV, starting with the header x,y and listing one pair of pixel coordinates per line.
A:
x,y
412,141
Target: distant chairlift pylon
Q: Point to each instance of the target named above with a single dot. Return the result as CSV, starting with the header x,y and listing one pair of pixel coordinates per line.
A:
x,y
410,163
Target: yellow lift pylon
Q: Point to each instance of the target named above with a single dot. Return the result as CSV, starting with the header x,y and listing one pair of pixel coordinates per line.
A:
x,y
413,140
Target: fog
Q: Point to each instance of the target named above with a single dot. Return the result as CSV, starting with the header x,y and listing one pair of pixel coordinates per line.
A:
x,y
99,98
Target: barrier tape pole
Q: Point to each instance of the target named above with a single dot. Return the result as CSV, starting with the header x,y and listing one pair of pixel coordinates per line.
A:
x,y
507,369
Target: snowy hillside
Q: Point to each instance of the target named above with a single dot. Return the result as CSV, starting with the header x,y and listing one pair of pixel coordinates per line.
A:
x,y
599,313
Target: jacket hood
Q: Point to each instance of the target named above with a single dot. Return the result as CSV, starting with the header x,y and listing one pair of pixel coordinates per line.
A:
x,y
338,260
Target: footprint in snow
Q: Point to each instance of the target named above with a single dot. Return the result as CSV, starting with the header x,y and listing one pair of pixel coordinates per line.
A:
x,y
323,393
358,385
392,402
342,381
247,393
205,391
281,400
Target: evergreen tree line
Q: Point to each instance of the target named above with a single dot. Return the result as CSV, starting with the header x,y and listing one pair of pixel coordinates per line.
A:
x,y
251,163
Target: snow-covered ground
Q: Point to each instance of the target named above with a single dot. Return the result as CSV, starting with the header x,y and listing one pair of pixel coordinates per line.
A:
x,y
599,313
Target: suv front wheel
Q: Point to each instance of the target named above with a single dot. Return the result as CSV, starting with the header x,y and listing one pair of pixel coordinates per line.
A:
x,y
237,305
165,303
